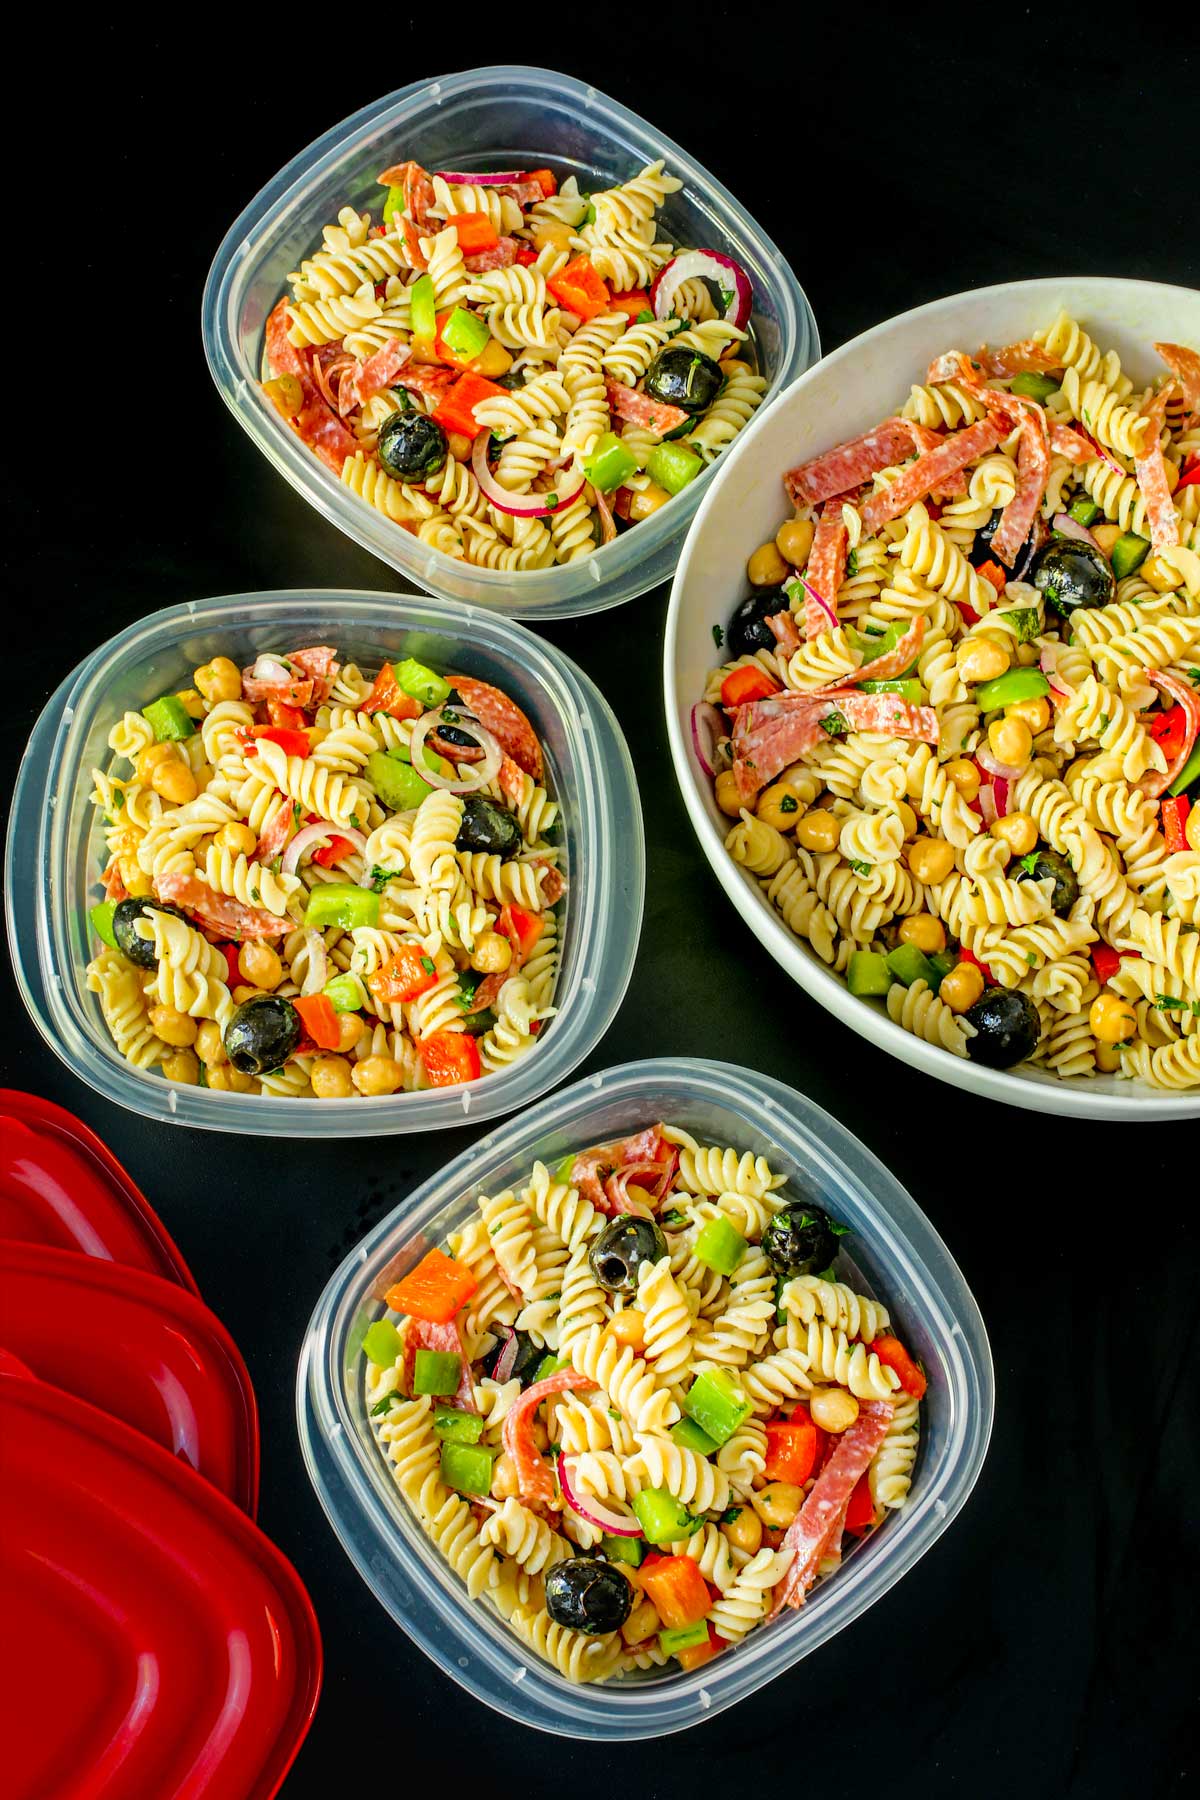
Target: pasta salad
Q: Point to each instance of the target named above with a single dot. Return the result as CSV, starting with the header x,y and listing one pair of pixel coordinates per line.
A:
x,y
510,369
320,884
640,1404
957,724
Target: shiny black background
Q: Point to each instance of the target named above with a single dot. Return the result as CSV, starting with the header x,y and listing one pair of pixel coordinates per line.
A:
x,y
1046,1645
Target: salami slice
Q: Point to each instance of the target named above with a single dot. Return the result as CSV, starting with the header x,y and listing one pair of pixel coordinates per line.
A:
x,y
924,438
931,470
276,833
1186,696
535,1482
504,719
1150,471
819,1520
593,1169
826,569
892,665
294,692
426,1334
1185,364
219,912
1033,469
379,371
848,465
500,256
783,627
768,735
426,379
1026,358
316,423
643,409
1069,441
320,663
885,713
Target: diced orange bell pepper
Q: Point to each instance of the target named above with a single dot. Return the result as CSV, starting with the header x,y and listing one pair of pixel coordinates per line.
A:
x,y
993,573
741,686
522,929
449,1057
546,180
387,696
893,1355
405,976
320,1020
280,713
791,1452
860,1510
456,409
698,1654
579,288
434,1290
677,1588
475,232
636,301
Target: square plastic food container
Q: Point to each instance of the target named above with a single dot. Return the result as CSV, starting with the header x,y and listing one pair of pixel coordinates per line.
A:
x,y
50,864
896,1255
481,119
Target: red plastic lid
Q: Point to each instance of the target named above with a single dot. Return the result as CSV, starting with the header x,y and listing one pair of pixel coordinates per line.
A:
x,y
164,1647
60,1185
140,1348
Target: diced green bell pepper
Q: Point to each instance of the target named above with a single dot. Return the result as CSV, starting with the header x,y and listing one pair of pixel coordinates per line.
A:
x,y
687,1433
623,1549
873,645
382,1343
683,1637
101,917
465,333
436,1372
589,217
1024,622
421,682
673,466
1128,553
943,962
912,691
1034,386
610,463
662,1517
563,1171
717,1404
467,1468
719,1245
1007,689
338,903
549,1365
423,309
908,964
1083,511
169,717
345,993
393,206
868,974
397,783
456,1426
1189,773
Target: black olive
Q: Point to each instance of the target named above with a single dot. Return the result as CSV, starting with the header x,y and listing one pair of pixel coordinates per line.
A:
x,y
1007,1028
684,378
1048,865
800,1240
528,1359
411,444
1073,575
620,1250
981,550
587,1594
139,950
748,630
262,1034
454,734
486,826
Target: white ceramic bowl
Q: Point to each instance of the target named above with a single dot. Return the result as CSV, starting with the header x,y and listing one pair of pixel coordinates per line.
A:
x,y
845,394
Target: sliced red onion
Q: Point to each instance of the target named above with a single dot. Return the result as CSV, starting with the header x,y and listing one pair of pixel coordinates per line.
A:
x,y
704,265
269,668
317,973
320,828
995,768
987,803
521,506
506,1362
504,178
1071,528
608,525
1048,663
480,773
819,598
1000,792
705,713
594,1511
618,1184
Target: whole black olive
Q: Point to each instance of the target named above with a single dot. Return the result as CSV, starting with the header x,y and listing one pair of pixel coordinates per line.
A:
x,y
1007,1028
748,630
486,826
684,378
800,1240
528,1359
1048,865
621,1249
139,950
587,1594
1073,575
411,444
262,1034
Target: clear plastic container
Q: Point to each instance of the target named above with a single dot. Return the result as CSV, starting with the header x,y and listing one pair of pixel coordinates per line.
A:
x,y
51,857
479,119
897,1255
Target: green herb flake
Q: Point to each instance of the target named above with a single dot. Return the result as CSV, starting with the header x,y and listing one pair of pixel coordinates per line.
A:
x,y
388,1400
1029,863
859,867
731,1515
645,317
427,963
1031,958
789,804
1193,676
612,1412
852,563
380,877
719,639
297,813
834,725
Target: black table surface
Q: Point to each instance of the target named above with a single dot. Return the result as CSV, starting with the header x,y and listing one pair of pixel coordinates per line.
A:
x,y
1046,1644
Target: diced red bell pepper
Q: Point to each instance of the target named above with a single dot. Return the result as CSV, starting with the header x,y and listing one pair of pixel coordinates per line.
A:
x,y
290,741
434,1290
742,686
580,289
546,180
1174,810
456,409
969,956
860,1509
1190,476
449,1057
696,1655
526,254
320,1020
969,615
475,232
893,1355
791,1451
934,508
1169,731
280,713
230,953
406,976
387,696
993,573
677,1589
332,852
1105,962
522,929
633,302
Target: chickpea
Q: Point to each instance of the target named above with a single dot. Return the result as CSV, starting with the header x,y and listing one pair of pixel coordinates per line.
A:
x,y
191,703
833,1409
777,1504
182,1067
219,679
648,501
1161,575
492,954
330,1077
818,830
1191,830
237,838
209,1047
926,932
1108,1059
728,798
1027,655
794,541
930,859
504,1478
154,756
1017,830
735,365
766,568
246,991
137,882
260,965
978,659
350,1031
173,1027
228,1080
628,1327
962,987
1112,1020
965,776
1106,536
642,1622
1035,712
744,1530
778,806
378,1075
175,782
493,360
459,446
1011,741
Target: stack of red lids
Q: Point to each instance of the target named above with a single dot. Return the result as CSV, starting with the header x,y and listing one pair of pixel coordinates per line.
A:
x,y
159,1644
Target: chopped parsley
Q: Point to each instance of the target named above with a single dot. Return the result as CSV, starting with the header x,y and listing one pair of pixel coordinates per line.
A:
x,y
1172,1003
388,1400
645,317
380,877
731,1515
1031,958
1029,863
118,799
834,725
726,297
356,821
674,1217
1105,722
297,813
719,639
427,964
852,563
859,867
1193,676
612,1412
789,804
